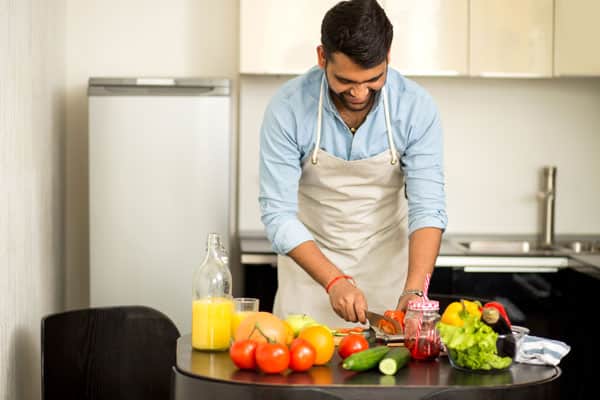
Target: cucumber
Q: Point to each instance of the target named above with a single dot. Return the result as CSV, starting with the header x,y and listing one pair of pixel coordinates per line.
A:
x,y
366,359
394,360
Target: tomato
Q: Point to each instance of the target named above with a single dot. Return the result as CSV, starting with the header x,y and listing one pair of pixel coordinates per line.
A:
x,y
386,327
352,344
357,329
243,353
398,315
302,355
272,358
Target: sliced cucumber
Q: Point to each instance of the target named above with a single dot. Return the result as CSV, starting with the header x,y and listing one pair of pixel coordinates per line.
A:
x,y
394,360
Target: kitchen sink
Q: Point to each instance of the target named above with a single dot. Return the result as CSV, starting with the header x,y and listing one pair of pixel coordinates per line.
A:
x,y
583,246
501,246
525,246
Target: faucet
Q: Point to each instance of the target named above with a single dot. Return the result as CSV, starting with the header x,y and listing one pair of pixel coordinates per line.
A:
x,y
548,195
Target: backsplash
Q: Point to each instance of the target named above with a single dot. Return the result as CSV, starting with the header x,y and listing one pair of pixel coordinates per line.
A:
x,y
498,133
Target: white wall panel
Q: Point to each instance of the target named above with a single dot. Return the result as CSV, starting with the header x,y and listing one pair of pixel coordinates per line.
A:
x,y
183,38
32,78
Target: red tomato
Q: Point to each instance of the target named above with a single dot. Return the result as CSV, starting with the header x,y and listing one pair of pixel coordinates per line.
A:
x,y
243,353
302,355
352,344
272,358
398,315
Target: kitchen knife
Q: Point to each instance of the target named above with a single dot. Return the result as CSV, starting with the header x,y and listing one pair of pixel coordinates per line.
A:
x,y
374,334
384,324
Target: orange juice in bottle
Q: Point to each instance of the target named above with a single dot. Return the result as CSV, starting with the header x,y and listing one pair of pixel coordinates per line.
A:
x,y
212,306
211,323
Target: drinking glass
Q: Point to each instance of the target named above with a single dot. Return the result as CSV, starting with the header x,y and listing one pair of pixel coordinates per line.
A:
x,y
242,308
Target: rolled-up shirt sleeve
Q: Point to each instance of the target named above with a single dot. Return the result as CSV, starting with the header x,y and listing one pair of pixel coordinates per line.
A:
x,y
423,168
280,170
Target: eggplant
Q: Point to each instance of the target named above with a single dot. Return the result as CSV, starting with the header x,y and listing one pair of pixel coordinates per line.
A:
x,y
506,345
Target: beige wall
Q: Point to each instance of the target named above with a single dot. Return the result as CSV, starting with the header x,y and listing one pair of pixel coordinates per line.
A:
x,y
32,132
131,38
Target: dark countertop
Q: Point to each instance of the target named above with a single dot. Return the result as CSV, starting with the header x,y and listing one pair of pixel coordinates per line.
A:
x,y
256,249
201,371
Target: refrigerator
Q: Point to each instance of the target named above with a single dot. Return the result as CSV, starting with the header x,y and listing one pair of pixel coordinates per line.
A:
x,y
161,177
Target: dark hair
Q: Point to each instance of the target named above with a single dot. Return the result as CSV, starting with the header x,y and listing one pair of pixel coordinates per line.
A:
x,y
359,29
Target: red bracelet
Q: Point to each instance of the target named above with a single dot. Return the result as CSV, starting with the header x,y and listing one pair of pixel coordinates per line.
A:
x,y
337,278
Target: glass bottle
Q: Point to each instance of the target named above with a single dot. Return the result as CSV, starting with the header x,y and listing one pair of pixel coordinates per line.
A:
x,y
212,306
223,254
421,336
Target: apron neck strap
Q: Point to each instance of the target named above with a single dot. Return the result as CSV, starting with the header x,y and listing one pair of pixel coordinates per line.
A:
x,y
388,125
313,157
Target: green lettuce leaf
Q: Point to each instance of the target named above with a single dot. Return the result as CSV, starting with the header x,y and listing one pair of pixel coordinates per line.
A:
x,y
472,345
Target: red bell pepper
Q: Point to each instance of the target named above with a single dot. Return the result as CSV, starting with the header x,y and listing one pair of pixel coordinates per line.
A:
x,y
498,306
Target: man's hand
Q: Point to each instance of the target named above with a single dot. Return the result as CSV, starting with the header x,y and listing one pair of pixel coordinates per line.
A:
x,y
348,301
403,301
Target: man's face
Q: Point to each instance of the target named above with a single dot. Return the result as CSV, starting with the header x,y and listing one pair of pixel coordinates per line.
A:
x,y
353,85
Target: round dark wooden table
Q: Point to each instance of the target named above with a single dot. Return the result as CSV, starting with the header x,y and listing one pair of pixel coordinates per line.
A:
x,y
212,375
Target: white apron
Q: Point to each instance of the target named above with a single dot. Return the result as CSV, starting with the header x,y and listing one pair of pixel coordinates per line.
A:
x,y
358,216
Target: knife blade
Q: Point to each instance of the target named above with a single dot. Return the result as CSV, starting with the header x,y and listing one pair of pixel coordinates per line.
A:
x,y
379,336
384,324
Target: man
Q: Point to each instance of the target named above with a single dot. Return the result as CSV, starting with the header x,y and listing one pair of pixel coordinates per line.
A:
x,y
351,176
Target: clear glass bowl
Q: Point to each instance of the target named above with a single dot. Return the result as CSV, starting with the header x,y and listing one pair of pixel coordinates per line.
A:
x,y
505,344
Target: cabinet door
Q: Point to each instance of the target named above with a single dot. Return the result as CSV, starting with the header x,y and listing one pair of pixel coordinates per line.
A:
x,y
511,38
280,36
577,31
430,36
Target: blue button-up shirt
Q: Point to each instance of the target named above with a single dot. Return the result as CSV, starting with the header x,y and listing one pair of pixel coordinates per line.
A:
x,y
288,135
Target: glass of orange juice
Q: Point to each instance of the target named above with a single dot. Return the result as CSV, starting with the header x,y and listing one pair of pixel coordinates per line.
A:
x,y
242,307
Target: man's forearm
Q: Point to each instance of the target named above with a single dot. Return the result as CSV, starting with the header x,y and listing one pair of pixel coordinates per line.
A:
x,y
311,258
424,247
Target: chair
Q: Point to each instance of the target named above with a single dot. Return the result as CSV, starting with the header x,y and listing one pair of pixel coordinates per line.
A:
x,y
108,353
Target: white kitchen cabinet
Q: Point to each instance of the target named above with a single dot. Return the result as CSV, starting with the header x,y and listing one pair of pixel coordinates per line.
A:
x,y
511,38
280,36
577,30
430,36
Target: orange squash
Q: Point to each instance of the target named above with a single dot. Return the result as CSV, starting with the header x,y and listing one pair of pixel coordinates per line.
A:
x,y
265,322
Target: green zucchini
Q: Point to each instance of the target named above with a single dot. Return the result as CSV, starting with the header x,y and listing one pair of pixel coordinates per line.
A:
x,y
366,359
394,360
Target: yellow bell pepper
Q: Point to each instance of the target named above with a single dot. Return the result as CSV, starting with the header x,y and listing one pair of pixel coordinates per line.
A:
x,y
473,308
452,313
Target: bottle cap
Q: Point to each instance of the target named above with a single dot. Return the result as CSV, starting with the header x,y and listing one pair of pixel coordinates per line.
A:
x,y
424,305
